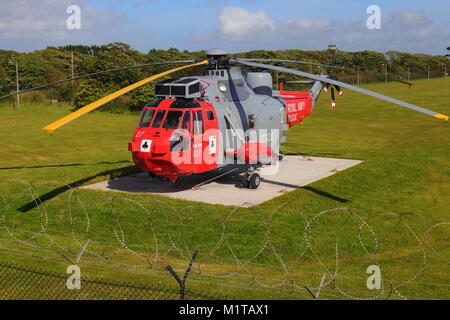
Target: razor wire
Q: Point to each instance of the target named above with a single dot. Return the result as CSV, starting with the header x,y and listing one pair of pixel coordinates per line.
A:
x,y
267,268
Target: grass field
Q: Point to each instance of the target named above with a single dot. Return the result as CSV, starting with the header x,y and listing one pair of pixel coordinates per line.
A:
x,y
393,210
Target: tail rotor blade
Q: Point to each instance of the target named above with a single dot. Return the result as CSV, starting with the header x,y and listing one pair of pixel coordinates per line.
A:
x,y
333,101
339,90
346,85
90,107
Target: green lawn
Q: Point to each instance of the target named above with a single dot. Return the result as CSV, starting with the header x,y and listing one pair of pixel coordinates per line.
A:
x,y
393,210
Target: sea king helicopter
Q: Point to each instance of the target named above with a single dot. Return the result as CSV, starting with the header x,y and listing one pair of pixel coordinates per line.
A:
x,y
226,115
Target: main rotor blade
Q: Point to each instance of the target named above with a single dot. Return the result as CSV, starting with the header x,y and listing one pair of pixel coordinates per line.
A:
x,y
94,74
346,85
294,61
301,82
90,107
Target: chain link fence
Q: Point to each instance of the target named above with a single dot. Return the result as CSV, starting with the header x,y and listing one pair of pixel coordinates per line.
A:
x,y
30,283
367,77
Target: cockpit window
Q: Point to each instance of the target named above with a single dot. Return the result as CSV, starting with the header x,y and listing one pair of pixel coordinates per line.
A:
x,y
146,118
185,103
186,124
154,103
158,118
198,122
172,119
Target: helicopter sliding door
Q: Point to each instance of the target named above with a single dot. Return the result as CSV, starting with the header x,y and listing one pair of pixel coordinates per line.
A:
x,y
186,152
205,148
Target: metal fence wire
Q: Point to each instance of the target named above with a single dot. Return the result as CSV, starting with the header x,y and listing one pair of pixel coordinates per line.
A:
x,y
30,283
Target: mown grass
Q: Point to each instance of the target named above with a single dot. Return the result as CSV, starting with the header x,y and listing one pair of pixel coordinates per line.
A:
x,y
406,172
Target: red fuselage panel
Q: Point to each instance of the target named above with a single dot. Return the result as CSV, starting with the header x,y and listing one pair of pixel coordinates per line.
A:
x,y
298,106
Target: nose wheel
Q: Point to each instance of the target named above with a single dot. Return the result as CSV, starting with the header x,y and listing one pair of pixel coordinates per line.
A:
x,y
151,175
251,180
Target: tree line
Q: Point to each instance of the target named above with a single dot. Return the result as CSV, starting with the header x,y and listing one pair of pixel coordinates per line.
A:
x,y
55,63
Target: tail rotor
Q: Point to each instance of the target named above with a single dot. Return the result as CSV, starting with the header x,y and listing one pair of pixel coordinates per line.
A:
x,y
331,87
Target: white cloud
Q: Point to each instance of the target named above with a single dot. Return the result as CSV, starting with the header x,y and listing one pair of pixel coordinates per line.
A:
x,y
238,24
29,25
405,30
411,18
309,24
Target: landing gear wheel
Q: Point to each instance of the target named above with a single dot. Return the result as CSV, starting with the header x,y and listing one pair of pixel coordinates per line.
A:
x,y
151,175
245,181
255,181
280,156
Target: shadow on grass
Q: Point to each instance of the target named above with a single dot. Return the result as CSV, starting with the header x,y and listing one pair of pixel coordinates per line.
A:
x,y
311,189
313,154
111,174
325,194
65,165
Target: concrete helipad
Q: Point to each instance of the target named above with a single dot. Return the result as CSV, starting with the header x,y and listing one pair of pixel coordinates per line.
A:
x,y
293,172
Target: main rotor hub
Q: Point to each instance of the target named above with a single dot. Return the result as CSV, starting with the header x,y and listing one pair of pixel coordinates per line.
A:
x,y
218,59
216,52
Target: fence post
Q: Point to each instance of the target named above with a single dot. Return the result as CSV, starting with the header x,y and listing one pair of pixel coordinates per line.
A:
x,y
358,77
386,74
182,282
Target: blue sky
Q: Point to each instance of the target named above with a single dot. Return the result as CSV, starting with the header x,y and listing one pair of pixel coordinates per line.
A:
x,y
235,25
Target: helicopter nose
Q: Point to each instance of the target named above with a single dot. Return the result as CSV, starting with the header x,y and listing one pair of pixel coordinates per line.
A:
x,y
150,144
133,147
142,146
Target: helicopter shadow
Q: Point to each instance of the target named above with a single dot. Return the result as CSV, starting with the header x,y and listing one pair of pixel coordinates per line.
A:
x,y
142,183
63,165
228,175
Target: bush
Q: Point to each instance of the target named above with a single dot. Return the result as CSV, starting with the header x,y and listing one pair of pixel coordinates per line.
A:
x,y
142,96
88,91
65,92
4,89
92,90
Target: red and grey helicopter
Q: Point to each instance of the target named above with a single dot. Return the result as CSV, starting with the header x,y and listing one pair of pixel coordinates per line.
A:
x,y
226,115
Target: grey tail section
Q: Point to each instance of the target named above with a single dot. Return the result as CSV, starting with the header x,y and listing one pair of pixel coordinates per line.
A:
x,y
315,91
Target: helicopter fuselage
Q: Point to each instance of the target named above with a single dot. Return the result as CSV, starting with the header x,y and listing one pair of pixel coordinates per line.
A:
x,y
205,122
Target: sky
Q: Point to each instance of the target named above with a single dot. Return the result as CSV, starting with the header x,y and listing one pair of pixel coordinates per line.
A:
x,y
417,26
